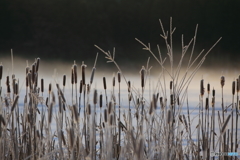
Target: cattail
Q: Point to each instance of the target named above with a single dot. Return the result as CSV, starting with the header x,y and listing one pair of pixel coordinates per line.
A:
x,y
151,108
185,122
30,80
104,83
89,109
95,97
113,81
7,81
16,88
208,88
50,88
129,97
72,77
154,101
88,89
75,72
171,83
169,117
37,64
50,113
171,99
33,73
119,76
161,102
13,85
80,87
178,102
207,104
8,89
142,72
75,112
222,81
36,79
14,103
1,71
92,75
27,84
46,102
83,72
42,85
110,107
129,86
111,119
233,87
63,138
100,101
105,115
60,103
202,87
180,118
213,92
64,80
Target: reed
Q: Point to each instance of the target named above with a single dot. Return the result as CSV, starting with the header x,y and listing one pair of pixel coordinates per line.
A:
x,y
145,129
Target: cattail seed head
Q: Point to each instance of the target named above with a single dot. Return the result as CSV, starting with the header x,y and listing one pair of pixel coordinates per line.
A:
x,y
64,80
50,88
72,77
83,72
202,87
237,81
105,115
171,84
104,83
113,81
50,113
15,103
169,117
16,89
1,71
119,76
80,87
95,97
111,120
208,88
33,73
222,81
207,104
213,92
100,101
42,85
110,107
7,81
142,73
233,88
89,109
129,86
171,99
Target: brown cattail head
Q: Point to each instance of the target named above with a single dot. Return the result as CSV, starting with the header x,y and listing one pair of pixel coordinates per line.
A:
x,y
33,72
207,104
16,89
7,81
100,101
72,76
110,107
129,86
89,109
83,72
233,87
88,88
95,97
14,103
80,87
27,84
202,87
50,88
208,88
171,84
1,71
64,80
222,81
92,75
113,81
13,85
42,85
105,115
119,76
111,119
142,74
151,108
213,92
104,83
75,73
169,117
161,102
171,99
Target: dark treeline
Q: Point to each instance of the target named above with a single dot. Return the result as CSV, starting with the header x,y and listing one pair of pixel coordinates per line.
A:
x,y
70,28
